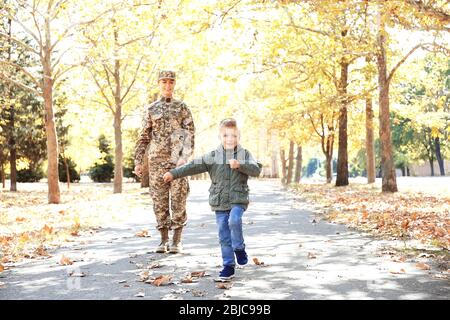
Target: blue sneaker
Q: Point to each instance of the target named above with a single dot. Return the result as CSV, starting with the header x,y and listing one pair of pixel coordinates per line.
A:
x,y
227,273
241,257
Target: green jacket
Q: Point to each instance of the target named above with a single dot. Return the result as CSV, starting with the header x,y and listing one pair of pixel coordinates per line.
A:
x,y
229,186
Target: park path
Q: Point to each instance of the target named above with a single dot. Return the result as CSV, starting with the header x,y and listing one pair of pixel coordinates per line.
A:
x,y
303,257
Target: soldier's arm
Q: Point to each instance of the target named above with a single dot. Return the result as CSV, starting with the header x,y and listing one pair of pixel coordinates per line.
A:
x,y
189,139
143,139
250,166
196,166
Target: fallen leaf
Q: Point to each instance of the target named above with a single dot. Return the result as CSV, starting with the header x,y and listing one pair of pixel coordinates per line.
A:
x,y
20,219
47,229
41,251
24,238
2,268
64,261
311,255
393,271
154,266
399,259
143,276
162,280
257,262
224,285
187,279
198,274
422,266
143,234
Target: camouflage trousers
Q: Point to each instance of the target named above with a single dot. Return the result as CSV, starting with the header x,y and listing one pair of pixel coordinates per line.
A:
x,y
161,192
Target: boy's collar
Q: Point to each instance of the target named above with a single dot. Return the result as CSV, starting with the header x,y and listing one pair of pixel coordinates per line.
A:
x,y
222,148
166,100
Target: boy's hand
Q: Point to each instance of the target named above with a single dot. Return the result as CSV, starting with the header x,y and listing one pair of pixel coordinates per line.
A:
x,y
138,170
234,164
168,177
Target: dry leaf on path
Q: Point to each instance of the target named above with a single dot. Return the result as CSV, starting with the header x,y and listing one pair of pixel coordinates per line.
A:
x,y
311,255
257,262
422,266
393,271
143,234
64,261
224,285
161,280
188,279
198,274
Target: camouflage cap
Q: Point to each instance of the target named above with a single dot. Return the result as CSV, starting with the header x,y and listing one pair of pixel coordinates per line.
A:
x,y
166,74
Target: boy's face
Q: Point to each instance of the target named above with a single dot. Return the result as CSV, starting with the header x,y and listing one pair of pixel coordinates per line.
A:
x,y
229,137
166,87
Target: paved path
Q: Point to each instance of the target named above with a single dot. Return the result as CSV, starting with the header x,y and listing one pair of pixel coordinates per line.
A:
x,y
278,231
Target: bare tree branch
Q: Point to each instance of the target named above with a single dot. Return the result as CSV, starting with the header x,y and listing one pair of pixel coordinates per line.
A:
x,y
19,84
20,43
24,71
134,79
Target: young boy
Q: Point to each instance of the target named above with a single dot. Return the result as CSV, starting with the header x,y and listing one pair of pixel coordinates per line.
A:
x,y
229,167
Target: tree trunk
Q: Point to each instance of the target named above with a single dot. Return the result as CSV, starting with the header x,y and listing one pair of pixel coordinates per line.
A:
x,y
118,160
389,181
328,169
283,165
12,116
431,162
290,163
12,153
439,156
2,173
50,128
274,162
370,142
118,170
298,165
274,165
342,162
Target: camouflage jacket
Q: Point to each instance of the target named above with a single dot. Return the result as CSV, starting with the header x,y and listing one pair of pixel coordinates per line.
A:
x,y
169,130
229,186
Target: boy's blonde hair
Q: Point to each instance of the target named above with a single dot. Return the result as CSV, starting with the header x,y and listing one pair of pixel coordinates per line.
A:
x,y
228,123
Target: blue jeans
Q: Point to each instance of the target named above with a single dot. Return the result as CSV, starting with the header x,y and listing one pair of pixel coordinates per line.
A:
x,y
229,225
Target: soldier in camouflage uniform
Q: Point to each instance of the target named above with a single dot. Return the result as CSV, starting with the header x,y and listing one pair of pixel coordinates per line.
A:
x,y
169,130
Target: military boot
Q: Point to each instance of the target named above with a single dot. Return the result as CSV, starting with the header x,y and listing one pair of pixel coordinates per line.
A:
x,y
164,245
176,246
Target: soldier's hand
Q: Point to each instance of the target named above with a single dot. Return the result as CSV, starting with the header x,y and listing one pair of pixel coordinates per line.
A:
x,y
234,164
168,177
138,170
180,162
